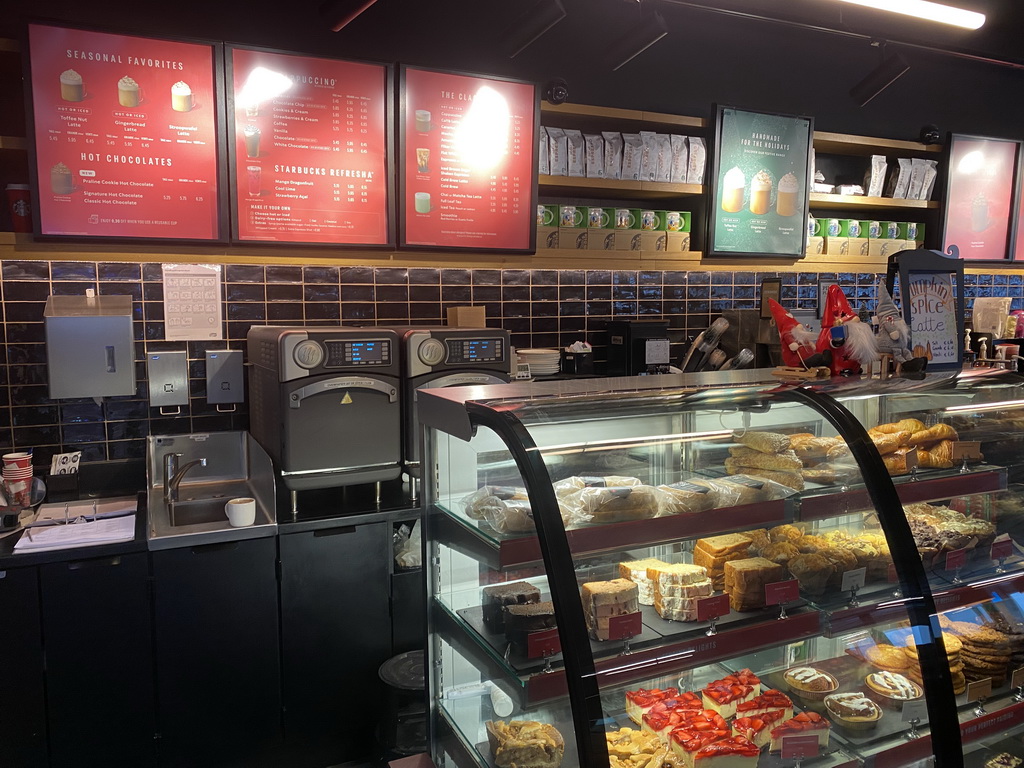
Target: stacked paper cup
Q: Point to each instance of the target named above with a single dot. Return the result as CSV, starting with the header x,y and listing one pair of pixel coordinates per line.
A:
x,y
17,474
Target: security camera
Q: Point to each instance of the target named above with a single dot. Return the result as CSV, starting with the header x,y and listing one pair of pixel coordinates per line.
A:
x,y
557,91
930,134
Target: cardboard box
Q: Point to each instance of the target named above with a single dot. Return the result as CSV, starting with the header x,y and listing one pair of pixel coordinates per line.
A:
x,y
919,240
467,317
883,247
572,238
677,242
627,240
547,237
837,246
815,246
600,239
653,241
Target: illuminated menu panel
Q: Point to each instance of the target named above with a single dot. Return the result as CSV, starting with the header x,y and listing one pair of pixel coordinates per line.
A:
x,y
364,352
468,161
310,148
125,135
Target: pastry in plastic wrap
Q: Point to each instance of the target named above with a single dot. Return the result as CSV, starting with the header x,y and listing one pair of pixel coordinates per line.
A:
x,y
791,479
748,457
753,489
812,448
525,744
689,497
829,473
570,485
478,503
765,442
745,581
615,504
759,539
812,571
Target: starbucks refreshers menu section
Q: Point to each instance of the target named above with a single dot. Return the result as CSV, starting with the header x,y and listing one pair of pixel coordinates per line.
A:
x,y
310,149
125,135
468,161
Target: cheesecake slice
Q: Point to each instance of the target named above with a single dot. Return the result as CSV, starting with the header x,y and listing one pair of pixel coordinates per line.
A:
x,y
768,701
758,728
731,752
723,697
702,729
804,724
669,714
640,701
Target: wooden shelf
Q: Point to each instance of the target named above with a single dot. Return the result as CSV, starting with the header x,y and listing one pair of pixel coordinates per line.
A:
x,y
847,144
9,45
587,117
575,186
13,142
822,200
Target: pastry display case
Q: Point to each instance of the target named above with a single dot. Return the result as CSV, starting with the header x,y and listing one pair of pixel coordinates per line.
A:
x,y
725,571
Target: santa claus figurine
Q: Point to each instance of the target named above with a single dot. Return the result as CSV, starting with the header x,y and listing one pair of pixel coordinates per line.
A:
x,y
797,340
851,342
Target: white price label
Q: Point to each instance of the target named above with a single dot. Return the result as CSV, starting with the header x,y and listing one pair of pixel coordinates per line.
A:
x,y
853,579
65,463
915,710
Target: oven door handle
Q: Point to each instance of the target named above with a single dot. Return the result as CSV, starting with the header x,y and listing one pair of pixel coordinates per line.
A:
x,y
342,382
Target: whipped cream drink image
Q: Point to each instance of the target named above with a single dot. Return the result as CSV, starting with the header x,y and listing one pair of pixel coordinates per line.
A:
x,y
128,92
785,200
71,86
734,184
760,193
182,99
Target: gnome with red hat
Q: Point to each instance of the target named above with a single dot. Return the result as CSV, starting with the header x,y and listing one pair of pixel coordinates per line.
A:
x,y
851,342
797,340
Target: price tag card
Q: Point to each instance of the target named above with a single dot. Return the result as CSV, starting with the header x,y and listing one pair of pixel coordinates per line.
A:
x,y
1002,547
781,592
915,710
956,559
966,449
709,608
794,747
853,579
621,627
979,689
891,575
65,463
1017,678
543,643
911,460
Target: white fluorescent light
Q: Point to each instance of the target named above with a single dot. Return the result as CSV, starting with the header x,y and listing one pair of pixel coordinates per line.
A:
x,y
923,9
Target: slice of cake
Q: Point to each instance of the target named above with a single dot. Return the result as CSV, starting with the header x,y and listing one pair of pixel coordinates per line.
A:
x,y
766,702
723,697
497,596
640,701
731,752
745,580
713,552
636,571
669,714
803,724
682,608
603,600
525,744
677,588
703,728
758,728
520,620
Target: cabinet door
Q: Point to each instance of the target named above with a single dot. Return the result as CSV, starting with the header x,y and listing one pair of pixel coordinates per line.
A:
x,y
336,631
99,661
217,649
23,703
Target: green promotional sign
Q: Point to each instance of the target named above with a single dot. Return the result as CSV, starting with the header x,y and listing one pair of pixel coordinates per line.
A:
x,y
760,184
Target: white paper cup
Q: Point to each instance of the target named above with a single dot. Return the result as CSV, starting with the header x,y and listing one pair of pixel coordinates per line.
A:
x,y
241,512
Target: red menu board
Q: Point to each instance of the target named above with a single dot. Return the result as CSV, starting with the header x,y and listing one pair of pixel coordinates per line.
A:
x,y
125,135
310,149
979,195
468,162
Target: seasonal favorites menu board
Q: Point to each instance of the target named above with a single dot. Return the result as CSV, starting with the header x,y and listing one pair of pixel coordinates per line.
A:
x,y
125,135
759,185
468,161
310,154
979,196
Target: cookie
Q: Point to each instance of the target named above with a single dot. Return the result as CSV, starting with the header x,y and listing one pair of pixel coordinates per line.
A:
x,y
887,657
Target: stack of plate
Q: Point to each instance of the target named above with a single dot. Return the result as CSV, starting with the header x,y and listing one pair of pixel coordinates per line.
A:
x,y
543,362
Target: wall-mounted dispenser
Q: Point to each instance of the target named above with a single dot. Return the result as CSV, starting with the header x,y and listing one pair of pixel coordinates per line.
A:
x,y
224,378
90,350
168,380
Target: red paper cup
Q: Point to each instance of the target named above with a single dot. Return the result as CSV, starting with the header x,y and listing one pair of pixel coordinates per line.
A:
x,y
20,459
19,203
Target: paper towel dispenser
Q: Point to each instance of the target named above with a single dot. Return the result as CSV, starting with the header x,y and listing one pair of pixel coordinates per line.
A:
x,y
90,349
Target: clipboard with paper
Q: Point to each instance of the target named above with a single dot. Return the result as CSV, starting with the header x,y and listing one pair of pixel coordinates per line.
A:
x,y
63,513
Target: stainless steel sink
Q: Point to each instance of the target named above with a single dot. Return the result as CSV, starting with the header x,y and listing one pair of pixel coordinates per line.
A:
x,y
198,511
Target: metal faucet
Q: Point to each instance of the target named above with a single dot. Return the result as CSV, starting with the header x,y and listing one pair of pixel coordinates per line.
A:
x,y
173,475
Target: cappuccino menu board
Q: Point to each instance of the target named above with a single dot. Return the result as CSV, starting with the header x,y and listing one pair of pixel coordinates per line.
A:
x,y
759,184
979,196
125,135
310,149
468,161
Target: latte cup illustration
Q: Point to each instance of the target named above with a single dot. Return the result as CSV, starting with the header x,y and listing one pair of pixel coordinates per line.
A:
x,y
61,181
182,99
71,86
734,184
760,193
423,159
785,200
422,120
422,202
128,92
251,133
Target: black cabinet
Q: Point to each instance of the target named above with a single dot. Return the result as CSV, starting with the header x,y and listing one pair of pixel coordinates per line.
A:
x,y
336,632
218,654
23,699
97,631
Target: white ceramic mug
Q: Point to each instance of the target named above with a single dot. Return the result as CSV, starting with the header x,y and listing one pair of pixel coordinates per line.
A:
x,y
241,512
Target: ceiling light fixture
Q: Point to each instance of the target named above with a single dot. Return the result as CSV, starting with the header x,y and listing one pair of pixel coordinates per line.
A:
x,y
923,9
534,22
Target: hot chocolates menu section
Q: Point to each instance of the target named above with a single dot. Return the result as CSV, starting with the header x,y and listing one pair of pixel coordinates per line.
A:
x,y
310,157
125,135
468,146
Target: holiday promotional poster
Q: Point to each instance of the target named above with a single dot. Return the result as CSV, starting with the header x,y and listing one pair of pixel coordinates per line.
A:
x,y
979,197
468,161
310,142
760,184
125,135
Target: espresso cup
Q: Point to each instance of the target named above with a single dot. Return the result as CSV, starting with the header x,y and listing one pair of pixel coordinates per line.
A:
x,y
241,512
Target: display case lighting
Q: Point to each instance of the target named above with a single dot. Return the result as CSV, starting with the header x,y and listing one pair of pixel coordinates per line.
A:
x,y
923,9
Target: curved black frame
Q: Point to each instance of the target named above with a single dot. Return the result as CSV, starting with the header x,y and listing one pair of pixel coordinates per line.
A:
x,y
580,669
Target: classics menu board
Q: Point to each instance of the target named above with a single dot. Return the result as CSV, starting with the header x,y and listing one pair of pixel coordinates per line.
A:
x,y
310,149
468,156
125,135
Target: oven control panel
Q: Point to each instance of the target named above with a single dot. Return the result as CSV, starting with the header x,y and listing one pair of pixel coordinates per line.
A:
x,y
475,350
343,353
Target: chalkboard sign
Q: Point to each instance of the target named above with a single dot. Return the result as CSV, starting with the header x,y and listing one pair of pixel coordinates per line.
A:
x,y
932,289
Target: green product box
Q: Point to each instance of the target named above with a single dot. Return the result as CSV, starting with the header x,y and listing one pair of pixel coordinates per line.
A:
x,y
850,228
920,235
677,221
547,215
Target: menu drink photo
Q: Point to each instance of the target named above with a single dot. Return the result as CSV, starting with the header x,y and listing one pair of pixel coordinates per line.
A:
x,y
468,161
310,149
125,132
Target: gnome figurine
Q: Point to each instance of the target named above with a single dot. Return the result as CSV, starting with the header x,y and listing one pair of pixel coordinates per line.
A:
x,y
797,340
893,333
852,343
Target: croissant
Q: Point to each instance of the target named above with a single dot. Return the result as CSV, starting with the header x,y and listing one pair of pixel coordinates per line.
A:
x,y
904,425
887,443
838,451
896,463
816,447
933,433
931,460
800,437
943,451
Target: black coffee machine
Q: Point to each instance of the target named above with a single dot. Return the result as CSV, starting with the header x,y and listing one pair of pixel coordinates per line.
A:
x,y
637,347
